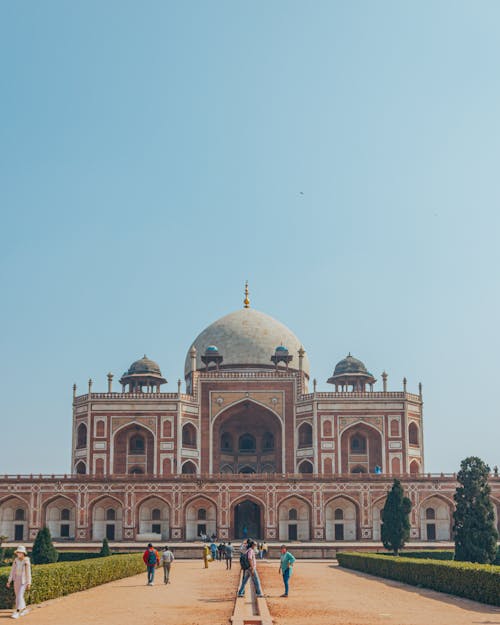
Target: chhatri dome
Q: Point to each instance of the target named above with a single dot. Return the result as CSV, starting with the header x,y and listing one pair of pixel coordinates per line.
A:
x,y
247,338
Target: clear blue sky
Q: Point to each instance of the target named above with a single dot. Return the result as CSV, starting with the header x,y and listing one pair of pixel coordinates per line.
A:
x,y
342,156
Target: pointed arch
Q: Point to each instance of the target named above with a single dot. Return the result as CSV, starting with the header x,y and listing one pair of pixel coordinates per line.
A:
x,y
298,528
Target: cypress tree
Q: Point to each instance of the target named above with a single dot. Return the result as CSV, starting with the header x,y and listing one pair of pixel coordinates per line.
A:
x,y
395,519
105,550
44,551
474,519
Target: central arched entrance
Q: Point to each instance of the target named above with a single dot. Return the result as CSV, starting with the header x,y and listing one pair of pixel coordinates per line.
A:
x,y
247,520
247,438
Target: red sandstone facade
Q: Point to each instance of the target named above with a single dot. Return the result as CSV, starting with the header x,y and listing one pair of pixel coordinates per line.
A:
x,y
247,450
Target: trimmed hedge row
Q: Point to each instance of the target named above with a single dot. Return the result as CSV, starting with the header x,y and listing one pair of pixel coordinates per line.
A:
x,y
479,582
76,556
63,578
434,554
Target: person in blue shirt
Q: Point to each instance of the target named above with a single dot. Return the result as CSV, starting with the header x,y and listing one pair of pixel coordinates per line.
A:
x,y
213,550
286,567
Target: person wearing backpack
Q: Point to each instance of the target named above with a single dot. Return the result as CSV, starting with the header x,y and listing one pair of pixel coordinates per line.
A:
x,y
248,563
151,559
167,557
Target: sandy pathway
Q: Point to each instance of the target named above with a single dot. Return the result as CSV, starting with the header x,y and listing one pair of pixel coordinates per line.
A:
x,y
324,594
194,597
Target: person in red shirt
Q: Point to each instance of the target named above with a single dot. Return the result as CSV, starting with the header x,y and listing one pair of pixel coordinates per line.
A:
x,y
151,559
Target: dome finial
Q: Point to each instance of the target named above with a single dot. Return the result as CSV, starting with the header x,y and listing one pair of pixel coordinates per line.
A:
x,y
246,301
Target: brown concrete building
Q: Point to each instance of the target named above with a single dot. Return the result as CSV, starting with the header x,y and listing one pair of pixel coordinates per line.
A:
x,y
247,450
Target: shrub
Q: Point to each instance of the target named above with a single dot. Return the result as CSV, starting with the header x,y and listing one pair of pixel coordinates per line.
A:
x,y
479,582
105,550
44,551
63,578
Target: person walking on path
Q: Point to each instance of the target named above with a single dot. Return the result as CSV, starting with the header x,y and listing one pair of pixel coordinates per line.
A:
x,y
151,559
20,574
206,553
167,557
286,567
248,563
264,550
213,550
229,555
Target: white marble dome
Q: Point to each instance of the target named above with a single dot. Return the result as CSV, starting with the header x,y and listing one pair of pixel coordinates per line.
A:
x,y
246,338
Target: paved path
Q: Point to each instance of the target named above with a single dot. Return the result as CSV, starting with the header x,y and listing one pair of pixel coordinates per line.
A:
x,y
321,594
324,594
195,596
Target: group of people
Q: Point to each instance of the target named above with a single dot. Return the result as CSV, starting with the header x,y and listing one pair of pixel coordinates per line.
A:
x,y
20,574
222,553
153,559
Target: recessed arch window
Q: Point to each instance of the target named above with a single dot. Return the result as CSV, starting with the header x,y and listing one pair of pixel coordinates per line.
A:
x,y
430,514
358,444
81,436
81,468
338,515
65,514
413,434
137,444
100,428
189,468
246,443
292,514
189,435
305,435
268,441
305,467
20,515
202,514
110,514
226,442
156,514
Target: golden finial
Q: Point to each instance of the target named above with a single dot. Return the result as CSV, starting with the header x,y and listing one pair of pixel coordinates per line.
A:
x,y
246,301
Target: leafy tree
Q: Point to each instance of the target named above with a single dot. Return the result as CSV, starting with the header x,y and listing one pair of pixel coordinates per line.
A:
x,y
395,519
474,519
44,551
105,550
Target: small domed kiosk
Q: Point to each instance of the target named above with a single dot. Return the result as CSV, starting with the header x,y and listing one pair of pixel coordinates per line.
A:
x,y
143,374
351,375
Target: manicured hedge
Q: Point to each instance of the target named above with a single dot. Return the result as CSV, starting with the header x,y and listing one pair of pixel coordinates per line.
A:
x,y
425,555
76,556
434,554
480,582
62,578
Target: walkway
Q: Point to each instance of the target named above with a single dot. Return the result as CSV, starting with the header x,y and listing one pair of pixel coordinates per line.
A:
x,y
195,596
321,594
324,594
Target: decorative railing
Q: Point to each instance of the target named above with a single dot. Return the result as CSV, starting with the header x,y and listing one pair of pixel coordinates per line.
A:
x,y
81,399
239,477
361,395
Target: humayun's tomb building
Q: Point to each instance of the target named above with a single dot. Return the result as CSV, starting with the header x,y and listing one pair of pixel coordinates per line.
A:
x,y
247,449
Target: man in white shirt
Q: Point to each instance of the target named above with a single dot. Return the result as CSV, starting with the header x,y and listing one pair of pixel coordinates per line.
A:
x,y
167,557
